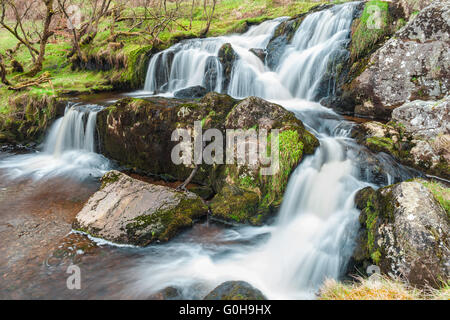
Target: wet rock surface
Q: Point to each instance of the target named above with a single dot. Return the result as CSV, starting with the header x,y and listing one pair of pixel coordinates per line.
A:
x,y
195,92
126,210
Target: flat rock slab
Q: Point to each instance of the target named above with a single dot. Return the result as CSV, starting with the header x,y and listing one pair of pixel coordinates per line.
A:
x,y
130,211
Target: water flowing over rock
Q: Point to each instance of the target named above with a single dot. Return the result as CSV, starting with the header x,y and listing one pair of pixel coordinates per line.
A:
x,y
418,135
126,210
235,290
69,149
296,62
405,232
414,64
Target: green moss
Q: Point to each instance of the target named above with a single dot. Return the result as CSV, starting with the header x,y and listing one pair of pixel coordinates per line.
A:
x,y
233,204
440,193
163,225
364,36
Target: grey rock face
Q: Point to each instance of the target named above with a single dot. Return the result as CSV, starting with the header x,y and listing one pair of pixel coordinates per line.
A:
x,y
412,65
126,210
407,233
424,119
418,136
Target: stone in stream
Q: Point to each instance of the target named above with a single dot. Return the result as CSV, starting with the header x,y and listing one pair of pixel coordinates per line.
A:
x,y
194,92
405,231
260,53
235,290
227,56
130,211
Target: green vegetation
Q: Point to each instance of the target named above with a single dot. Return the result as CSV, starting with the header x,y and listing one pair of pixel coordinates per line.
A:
x,y
370,29
440,193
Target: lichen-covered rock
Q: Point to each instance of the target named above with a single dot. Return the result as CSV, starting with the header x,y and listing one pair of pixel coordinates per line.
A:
x,y
226,56
405,231
424,119
126,210
413,64
410,7
418,135
235,290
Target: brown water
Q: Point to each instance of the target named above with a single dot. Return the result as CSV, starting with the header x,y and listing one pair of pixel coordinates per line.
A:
x,y
37,244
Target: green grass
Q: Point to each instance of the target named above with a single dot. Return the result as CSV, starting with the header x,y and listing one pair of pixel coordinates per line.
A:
x,y
366,33
440,193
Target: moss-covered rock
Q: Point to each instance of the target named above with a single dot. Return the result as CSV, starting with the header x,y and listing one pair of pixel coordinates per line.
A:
x,y
126,210
137,133
29,117
235,290
404,231
226,56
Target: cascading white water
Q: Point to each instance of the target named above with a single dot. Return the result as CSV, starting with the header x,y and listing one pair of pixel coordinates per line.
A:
x,y
68,150
313,236
321,37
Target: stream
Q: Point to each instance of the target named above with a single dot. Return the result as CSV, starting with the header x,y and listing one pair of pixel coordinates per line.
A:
x,y
311,239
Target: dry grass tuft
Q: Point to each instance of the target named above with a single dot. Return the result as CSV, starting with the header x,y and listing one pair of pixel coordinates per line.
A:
x,y
381,288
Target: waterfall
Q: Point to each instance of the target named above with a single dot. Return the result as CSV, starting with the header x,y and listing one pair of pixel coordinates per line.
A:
x,y
320,39
313,236
68,150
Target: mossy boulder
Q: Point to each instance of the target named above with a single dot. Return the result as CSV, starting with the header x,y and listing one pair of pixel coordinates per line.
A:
x,y
235,290
137,133
405,231
130,211
250,196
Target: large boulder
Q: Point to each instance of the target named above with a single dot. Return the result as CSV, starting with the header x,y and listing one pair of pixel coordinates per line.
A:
x,y
418,135
248,196
405,231
126,210
413,64
235,290
137,133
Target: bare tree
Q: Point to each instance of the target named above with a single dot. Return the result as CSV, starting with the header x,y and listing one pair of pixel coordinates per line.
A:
x,y
209,14
18,28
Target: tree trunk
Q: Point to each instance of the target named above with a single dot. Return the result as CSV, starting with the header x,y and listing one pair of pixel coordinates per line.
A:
x,y
3,72
46,34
